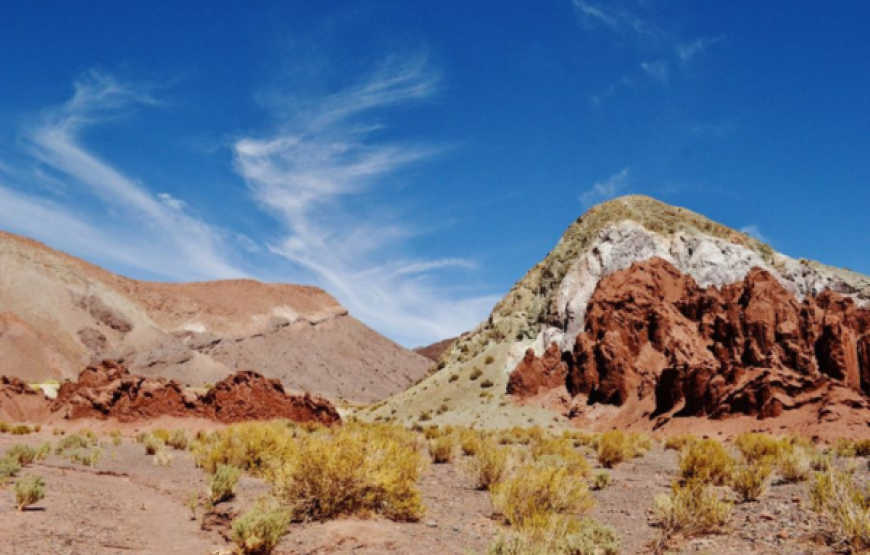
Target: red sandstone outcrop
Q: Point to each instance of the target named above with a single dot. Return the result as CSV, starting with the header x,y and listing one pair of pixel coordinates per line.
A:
x,y
748,348
534,374
109,390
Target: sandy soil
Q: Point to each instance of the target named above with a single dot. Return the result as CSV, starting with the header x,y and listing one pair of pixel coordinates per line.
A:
x,y
126,504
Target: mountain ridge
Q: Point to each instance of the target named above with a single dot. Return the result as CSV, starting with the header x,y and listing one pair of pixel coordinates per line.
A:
x,y
59,313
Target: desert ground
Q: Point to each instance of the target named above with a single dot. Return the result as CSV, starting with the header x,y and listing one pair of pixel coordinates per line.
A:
x,y
126,501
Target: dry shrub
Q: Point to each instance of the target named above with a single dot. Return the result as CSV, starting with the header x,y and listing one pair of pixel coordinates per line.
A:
x,y
470,441
601,480
757,446
538,491
85,457
153,444
678,442
28,490
178,440
582,439
441,449
750,480
852,448
489,466
222,485
24,454
163,457
9,468
248,446
561,536
794,466
706,461
616,446
84,439
845,506
259,530
353,469
691,509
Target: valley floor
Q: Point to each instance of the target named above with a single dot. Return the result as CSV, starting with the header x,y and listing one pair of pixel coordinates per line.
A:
x,y
128,504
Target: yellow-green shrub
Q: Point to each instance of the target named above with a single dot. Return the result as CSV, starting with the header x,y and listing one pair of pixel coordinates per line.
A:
x,y
691,509
441,449
470,441
222,485
616,446
258,531
601,480
489,465
845,505
678,442
248,446
757,446
353,469
28,490
750,480
706,461
794,466
562,453
561,536
538,491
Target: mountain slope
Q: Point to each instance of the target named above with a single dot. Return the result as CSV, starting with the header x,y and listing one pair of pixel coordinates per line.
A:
x,y
546,311
58,313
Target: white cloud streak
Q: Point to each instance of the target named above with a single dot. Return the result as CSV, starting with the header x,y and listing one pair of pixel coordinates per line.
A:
x,y
147,233
605,190
315,174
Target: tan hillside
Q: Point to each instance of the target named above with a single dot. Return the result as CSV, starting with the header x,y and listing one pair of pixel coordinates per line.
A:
x,y
59,313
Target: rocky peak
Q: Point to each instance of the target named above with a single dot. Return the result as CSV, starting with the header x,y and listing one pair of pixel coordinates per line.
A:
x,y
750,347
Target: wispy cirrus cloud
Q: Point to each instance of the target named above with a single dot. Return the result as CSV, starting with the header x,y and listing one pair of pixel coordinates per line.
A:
x,y
96,208
611,187
316,174
663,51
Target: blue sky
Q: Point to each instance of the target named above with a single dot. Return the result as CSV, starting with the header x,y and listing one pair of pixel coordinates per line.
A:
x,y
416,158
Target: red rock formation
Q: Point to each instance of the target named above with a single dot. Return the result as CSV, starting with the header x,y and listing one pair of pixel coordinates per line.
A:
x,y
109,390
747,348
247,395
534,374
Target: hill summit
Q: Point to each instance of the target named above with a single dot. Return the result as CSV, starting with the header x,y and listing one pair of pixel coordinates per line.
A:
x,y
647,315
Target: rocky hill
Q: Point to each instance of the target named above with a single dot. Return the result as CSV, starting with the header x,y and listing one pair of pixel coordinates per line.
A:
x,y
58,314
648,315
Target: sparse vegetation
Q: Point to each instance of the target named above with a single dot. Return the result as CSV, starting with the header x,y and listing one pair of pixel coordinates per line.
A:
x,y
616,446
489,465
843,503
601,480
178,440
561,536
258,531
750,480
222,485
691,509
441,449
163,457
28,490
706,461
350,470
538,491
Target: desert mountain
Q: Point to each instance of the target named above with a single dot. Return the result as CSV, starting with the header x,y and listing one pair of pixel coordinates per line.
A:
x,y
58,314
650,316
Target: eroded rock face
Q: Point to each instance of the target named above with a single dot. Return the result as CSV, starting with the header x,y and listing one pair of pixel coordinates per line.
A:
x,y
534,374
746,348
109,390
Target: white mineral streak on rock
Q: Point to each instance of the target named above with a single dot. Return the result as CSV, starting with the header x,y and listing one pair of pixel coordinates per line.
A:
x,y
709,260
